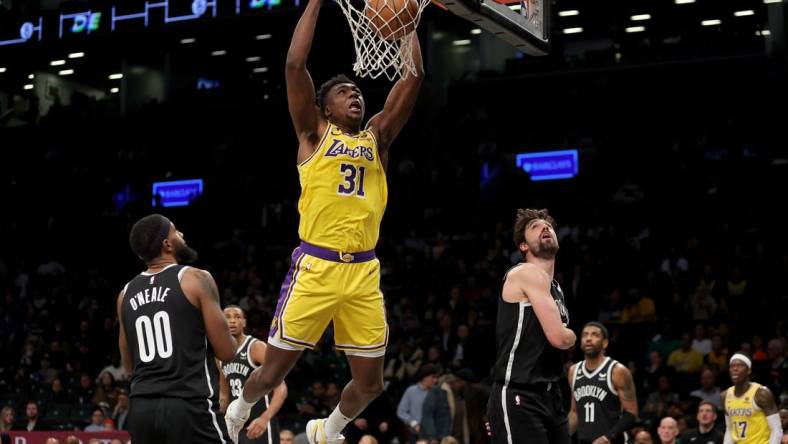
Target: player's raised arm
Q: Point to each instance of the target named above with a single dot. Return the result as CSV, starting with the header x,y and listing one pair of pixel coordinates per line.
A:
x,y
300,89
388,123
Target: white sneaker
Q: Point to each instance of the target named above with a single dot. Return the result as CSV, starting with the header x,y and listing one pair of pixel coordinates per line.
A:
x,y
316,433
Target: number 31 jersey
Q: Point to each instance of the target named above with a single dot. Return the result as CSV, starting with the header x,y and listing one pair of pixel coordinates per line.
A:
x,y
166,338
343,192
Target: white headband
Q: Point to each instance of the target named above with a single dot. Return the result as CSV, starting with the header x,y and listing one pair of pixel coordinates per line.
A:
x,y
741,358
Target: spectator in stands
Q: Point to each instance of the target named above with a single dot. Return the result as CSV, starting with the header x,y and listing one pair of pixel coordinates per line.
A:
x,y
644,437
121,411
7,419
368,439
784,421
778,366
85,391
286,437
685,359
96,421
700,342
33,423
668,430
461,352
410,406
708,390
707,431
658,401
117,370
107,390
434,357
718,356
640,309
405,365
436,417
46,374
759,349
704,307
655,370
57,393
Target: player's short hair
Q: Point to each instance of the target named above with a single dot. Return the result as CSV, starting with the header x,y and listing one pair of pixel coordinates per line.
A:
x,y
326,87
524,217
147,234
243,313
600,326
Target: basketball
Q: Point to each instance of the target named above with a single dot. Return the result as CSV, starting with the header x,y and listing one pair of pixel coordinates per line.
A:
x,y
392,19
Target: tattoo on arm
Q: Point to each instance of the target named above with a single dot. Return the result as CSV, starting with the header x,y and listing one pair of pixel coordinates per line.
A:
x,y
208,285
627,389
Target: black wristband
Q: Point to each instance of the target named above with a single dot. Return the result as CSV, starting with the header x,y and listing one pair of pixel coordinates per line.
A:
x,y
624,423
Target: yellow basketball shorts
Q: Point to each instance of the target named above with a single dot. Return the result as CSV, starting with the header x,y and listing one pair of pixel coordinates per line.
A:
x,y
322,286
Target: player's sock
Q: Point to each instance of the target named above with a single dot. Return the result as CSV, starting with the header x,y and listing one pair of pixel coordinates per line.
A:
x,y
335,423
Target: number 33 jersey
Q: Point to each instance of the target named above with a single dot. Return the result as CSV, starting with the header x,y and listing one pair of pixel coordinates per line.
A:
x,y
166,339
343,192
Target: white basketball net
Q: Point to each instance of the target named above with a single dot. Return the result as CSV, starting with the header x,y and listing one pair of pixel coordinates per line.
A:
x,y
376,56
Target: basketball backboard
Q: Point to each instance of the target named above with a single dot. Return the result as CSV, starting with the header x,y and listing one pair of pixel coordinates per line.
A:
x,y
525,24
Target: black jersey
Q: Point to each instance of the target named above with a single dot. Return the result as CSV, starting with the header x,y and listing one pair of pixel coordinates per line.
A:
x,y
166,337
236,372
524,355
598,406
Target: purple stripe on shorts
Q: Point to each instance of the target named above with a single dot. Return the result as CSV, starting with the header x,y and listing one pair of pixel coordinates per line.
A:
x,y
287,299
283,292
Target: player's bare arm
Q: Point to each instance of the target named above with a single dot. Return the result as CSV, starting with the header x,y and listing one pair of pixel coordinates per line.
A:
x,y
765,400
573,409
528,283
625,386
279,395
123,346
307,118
388,123
224,389
200,287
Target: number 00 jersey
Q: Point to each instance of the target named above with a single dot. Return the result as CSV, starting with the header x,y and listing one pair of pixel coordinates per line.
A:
x,y
166,338
343,192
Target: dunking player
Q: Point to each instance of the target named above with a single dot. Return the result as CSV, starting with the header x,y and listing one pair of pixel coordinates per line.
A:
x,y
334,274
751,415
525,401
168,314
263,427
603,389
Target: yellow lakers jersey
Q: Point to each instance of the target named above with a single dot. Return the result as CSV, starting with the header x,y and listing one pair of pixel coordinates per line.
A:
x,y
747,419
343,192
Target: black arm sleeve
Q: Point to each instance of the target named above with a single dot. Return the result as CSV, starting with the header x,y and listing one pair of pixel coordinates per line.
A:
x,y
624,423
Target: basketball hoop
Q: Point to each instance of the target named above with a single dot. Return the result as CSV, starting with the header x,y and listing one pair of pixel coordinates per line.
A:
x,y
382,35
